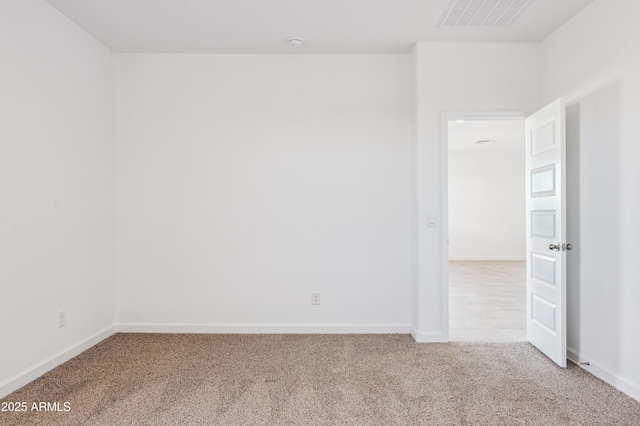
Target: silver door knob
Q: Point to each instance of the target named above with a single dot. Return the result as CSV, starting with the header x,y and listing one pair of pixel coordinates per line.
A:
x,y
567,246
554,247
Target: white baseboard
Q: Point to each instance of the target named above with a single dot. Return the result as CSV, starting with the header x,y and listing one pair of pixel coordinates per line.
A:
x,y
48,364
487,258
428,336
264,328
603,373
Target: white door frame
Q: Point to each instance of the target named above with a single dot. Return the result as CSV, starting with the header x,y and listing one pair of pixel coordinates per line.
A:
x,y
446,117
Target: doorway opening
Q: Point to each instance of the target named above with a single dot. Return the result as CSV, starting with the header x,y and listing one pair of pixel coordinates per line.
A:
x,y
486,229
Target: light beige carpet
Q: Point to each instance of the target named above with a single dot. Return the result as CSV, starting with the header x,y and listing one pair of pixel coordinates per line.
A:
x,y
165,379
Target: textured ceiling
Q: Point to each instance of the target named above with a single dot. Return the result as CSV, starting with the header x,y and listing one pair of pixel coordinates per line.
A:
x,y
327,26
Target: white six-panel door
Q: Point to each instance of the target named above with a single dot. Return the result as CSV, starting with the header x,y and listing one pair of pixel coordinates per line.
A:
x,y
546,231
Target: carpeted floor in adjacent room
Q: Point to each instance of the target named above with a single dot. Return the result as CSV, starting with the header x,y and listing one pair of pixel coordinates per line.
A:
x,y
179,379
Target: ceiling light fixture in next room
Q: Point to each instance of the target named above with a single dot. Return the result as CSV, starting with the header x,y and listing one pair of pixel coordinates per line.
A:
x,y
296,42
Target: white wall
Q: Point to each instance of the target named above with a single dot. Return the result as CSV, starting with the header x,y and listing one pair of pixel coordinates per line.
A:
x,y
456,77
487,215
56,190
592,60
245,182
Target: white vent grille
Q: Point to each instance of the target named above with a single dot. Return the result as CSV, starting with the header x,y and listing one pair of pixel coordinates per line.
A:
x,y
482,13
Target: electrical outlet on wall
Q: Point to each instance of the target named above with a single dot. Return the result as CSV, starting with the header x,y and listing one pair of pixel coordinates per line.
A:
x,y
61,319
315,297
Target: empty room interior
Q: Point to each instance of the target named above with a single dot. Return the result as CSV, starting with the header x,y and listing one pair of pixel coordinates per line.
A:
x,y
487,228
332,212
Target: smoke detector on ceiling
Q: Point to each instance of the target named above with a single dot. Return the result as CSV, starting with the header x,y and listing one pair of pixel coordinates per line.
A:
x,y
482,13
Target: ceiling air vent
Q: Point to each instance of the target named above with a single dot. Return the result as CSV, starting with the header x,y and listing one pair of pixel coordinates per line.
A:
x,y
482,13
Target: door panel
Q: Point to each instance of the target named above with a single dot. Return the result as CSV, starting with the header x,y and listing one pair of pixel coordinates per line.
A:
x,y
546,230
